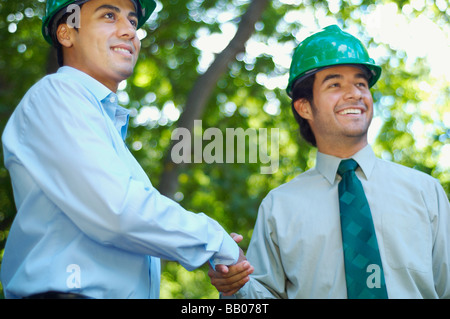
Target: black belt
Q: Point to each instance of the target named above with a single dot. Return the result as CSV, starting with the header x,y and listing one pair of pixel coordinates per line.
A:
x,y
57,295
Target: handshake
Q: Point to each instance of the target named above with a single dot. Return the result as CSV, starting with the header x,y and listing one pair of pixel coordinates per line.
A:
x,y
229,279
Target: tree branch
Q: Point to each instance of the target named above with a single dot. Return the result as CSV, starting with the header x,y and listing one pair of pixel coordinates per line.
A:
x,y
204,87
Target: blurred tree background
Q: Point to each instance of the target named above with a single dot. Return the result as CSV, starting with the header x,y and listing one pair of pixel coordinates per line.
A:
x,y
225,62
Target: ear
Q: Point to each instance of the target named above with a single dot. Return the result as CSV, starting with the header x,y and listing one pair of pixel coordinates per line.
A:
x,y
303,108
64,35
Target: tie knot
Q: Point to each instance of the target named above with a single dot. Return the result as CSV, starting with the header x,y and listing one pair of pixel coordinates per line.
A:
x,y
347,165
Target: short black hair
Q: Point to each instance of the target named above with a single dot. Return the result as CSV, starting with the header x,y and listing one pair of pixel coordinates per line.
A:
x,y
304,90
61,20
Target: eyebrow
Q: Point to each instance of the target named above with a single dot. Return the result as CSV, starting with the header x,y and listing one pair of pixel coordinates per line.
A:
x,y
339,76
331,77
116,9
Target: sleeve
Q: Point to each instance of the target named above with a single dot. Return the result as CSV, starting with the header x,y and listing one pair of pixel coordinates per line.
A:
x,y
441,247
67,147
268,279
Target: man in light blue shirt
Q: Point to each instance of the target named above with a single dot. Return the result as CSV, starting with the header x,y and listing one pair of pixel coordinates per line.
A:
x,y
89,222
296,248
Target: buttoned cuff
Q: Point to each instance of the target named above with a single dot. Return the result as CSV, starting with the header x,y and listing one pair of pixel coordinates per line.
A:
x,y
228,253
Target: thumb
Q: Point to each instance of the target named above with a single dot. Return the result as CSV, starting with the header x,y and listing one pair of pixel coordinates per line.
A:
x,y
236,237
222,269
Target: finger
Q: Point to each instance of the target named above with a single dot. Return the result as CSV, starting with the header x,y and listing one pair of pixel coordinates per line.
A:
x,y
238,275
237,279
228,290
232,270
236,237
222,269
232,277
229,286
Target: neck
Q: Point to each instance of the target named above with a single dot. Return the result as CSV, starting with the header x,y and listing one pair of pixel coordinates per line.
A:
x,y
341,150
111,84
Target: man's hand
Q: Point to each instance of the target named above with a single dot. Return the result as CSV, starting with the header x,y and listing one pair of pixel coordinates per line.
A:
x,y
229,279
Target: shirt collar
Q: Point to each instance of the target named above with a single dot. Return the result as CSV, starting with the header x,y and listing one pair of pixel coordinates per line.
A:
x,y
95,87
118,115
109,100
327,165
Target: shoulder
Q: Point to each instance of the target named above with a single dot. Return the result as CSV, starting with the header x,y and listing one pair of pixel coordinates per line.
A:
x,y
401,171
56,101
404,176
301,182
58,92
58,84
298,189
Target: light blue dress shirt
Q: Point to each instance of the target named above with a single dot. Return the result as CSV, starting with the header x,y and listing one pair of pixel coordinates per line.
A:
x,y
88,218
296,246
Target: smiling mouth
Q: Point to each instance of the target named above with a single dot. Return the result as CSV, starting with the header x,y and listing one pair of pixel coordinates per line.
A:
x,y
350,111
122,50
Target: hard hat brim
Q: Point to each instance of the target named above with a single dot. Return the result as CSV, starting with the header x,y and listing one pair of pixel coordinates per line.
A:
x,y
374,72
146,8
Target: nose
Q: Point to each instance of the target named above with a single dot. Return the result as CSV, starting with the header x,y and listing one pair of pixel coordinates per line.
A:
x,y
126,29
352,92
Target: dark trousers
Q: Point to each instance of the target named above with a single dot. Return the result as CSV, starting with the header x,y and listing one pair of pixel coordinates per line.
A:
x,y
57,295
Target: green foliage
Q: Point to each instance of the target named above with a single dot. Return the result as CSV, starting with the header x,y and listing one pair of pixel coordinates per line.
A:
x,y
412,106
178,283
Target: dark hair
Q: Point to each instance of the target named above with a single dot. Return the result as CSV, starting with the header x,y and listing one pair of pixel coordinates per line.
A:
x,y
56,44
304,90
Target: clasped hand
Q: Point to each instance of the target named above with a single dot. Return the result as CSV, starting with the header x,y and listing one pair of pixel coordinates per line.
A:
x,y
229,279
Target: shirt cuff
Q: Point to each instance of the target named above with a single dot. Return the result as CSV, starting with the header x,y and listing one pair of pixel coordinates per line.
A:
x,y
241,294
228,253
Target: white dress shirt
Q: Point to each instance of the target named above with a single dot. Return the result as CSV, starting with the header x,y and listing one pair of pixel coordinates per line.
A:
x,y
88,219
296,246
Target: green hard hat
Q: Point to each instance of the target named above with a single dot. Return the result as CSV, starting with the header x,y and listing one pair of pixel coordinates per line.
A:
x,y
329,47
145,9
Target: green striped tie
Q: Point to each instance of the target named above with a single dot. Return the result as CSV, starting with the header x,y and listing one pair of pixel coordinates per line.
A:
x,y
363,269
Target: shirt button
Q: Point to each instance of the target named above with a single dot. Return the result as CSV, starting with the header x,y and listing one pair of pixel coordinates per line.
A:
x,y
112,99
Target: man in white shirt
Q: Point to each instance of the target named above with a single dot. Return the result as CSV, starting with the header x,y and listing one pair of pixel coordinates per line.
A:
x,y
89,222
296,248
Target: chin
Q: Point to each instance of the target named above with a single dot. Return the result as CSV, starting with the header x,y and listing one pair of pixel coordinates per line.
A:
x,y
124,74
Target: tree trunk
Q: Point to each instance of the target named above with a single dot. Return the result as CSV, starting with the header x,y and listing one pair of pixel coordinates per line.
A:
x,y
204,86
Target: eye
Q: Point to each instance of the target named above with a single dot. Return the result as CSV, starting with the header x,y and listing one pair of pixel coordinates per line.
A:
x,y
134,23
334,85
109,15
361,84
